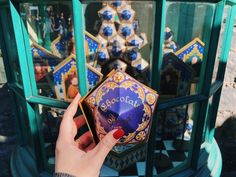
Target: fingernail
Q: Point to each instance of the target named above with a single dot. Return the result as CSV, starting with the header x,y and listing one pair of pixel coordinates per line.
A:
x,y
118,133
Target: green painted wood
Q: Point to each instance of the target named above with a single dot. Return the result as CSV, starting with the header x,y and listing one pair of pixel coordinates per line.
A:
x,y
34,123
231,2
43,158
22,54
48,102
223,61
211,55
159,26
80,45
206,67
181,101
8,53
30,65
16,20
24,156
221,71
25,137
215,87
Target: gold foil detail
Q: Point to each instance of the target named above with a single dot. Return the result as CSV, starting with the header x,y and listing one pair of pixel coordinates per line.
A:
x,y
119,77
130,85
141,136
129,137
150,98
101,92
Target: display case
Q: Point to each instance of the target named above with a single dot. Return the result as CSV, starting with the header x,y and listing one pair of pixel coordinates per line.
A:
x,y
53,50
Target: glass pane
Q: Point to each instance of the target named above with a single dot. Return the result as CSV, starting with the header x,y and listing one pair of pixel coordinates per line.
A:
x,y
3,78
119,35
188,28
50,119
174,134
227,10
10,44
230,76
50,31
208,118
23,121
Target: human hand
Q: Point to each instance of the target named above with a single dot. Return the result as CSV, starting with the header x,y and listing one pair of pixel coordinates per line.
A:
x,y
81,157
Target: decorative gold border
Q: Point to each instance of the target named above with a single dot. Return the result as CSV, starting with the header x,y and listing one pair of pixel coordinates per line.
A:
x,y
64,77
86,120
87,46
45,61
93,38
95,71
189,44
194,51
64,62
34,44
58,67
145,123
53,46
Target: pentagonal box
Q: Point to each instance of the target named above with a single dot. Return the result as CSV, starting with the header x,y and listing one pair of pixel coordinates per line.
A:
x,y
120,101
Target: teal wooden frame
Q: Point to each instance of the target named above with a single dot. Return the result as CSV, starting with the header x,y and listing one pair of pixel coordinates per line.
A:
x,y
218,85
31,93
32,99
205,88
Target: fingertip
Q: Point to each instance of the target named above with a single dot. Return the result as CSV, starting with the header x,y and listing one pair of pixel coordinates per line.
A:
x,y
77,97
75,101
118,133
72,108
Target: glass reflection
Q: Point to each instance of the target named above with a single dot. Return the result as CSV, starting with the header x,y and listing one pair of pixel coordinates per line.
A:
x,y
123,34
174,134
227,10
50,31
11,48
188,27
50,123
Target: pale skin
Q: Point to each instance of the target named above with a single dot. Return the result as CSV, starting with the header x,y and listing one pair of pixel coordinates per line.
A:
x,y
81,157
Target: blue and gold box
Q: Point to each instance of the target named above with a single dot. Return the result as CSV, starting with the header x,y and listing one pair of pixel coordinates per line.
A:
x,y
120,101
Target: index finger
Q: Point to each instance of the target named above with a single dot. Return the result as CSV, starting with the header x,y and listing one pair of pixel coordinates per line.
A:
x,y
72,108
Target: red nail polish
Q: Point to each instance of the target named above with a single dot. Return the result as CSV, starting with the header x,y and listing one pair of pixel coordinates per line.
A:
x,y
118,133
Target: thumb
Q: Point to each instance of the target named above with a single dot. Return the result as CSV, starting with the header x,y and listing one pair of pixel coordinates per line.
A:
x,y
107,143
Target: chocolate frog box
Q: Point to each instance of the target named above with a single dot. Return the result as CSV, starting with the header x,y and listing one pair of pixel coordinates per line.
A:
x,y
120,101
